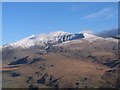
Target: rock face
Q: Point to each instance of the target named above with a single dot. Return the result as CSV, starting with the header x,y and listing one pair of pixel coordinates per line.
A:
x,y
19,61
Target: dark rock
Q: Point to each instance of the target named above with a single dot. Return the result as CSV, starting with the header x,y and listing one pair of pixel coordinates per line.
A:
x,y
15,74
30,79
41,80
36,60
32,87
19,61
112,63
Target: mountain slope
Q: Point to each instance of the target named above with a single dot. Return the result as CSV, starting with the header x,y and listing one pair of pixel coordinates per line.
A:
x,y
44,43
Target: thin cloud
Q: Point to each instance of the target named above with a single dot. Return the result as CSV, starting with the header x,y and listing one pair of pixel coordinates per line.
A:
x,y
106,13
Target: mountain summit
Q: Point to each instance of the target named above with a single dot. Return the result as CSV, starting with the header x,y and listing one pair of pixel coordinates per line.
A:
x,y
45,39
52,38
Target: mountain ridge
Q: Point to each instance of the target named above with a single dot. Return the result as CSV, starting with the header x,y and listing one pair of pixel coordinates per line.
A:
x,y
52,38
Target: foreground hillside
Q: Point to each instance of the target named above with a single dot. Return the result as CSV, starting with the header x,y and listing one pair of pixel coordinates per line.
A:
x,y
53,70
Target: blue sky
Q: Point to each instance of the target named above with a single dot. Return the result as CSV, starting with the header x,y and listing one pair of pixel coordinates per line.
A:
x,y
22,19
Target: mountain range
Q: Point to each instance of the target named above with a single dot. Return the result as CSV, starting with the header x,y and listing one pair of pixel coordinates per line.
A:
x,y
61,60
46,40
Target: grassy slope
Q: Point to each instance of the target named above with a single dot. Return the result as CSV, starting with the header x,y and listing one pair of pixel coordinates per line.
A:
x,y
69,70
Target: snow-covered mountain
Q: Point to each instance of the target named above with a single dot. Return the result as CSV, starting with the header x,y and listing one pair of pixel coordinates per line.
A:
x,y
46,40
83,56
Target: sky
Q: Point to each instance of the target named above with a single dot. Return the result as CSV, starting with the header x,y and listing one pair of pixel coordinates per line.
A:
x,y
23,19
